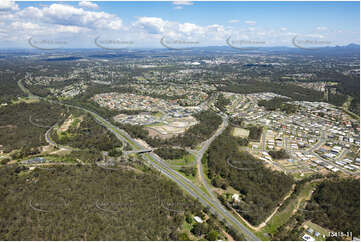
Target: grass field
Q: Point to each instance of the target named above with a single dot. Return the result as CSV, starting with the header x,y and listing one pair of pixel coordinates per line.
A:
x,y
188,159
239,132
26,100
281,217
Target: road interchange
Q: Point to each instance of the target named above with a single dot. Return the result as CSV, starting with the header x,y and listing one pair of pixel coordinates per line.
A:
x,y
161,165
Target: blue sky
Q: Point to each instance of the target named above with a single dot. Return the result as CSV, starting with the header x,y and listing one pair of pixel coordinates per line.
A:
x,y
143,24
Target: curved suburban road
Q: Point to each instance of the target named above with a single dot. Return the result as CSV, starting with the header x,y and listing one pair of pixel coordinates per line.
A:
x,y
161,165
201,152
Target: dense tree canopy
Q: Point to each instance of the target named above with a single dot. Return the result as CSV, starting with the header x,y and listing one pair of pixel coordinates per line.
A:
x,y
9,90
221,103
89,135
261,188
278,154
90,203
336,205
278,103
170,153
255,132
24,124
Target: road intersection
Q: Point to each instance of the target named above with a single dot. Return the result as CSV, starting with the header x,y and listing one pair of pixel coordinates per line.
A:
x,y
161,165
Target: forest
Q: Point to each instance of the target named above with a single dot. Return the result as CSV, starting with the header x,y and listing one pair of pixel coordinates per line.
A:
x,y
255,132
170,153
355,105
90,203
89,135
40,91
23,125
336,205
9,90
278,103
336,99
261,189
292,230
278,154
221,103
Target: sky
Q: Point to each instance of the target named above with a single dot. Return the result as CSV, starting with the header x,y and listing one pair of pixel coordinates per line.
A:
x,y
177,24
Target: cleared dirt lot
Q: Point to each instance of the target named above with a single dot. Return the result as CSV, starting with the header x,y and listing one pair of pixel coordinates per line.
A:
x,y
174,127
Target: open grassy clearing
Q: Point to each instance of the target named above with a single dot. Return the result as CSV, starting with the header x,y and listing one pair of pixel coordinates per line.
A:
x,y
239,132
281,217
186,160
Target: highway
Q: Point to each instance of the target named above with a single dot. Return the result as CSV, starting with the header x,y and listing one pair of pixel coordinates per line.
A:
x,y
161,165
158,163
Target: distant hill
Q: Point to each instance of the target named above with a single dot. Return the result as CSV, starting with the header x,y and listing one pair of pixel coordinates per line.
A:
x,y
350,49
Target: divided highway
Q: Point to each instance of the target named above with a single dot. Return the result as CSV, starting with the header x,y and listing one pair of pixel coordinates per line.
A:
x,y
187,185
158,163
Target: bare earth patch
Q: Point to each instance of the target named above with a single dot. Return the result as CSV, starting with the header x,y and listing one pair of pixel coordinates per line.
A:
x,y
10,126
175,127
65,126
61,151
143,143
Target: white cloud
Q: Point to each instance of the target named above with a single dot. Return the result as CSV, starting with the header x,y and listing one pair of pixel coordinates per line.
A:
x,y
183,3
55,21
70,29
190,29
7,5
61,21
87,4
151,25
67,15
250,22
178,8
233,21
